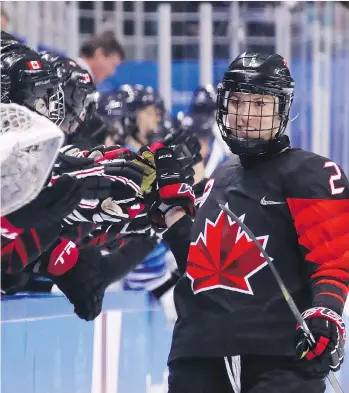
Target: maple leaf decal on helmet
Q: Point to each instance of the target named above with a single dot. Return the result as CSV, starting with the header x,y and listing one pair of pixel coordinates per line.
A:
x,y
224,257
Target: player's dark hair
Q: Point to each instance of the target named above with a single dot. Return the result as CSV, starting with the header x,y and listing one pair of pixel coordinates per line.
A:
x,y
105,41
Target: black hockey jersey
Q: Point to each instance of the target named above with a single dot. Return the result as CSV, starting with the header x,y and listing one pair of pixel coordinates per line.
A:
x,y
228,302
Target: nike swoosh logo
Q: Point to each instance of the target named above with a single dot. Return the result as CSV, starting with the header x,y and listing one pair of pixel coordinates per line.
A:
x,y
264,202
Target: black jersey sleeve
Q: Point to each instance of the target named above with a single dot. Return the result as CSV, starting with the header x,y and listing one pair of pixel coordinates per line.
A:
x,y
318,199
178,239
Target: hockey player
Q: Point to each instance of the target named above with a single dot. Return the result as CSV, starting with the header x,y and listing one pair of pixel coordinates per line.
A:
x,y
34,231
78,88
235,331
131,114
111,109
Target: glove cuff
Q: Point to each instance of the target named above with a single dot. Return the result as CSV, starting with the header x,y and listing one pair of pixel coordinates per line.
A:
x,y
326,313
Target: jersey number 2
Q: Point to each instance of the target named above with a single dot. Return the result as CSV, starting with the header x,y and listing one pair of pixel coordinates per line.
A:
x,y
333,178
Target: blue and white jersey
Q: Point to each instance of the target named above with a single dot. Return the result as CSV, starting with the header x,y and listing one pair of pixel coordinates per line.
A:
x,y
219,153
151,273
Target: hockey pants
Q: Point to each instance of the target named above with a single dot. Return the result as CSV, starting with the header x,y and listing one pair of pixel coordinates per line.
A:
x,y
246,374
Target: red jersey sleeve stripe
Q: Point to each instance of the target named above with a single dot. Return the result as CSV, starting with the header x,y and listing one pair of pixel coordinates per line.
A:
x,y
308,213
331,294
322,226
340,274
344,288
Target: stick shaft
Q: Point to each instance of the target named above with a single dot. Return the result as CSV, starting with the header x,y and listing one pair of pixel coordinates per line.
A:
x,y
332,378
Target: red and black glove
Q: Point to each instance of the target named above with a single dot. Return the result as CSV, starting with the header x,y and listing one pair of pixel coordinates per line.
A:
x,y
48,208
173,190
328,329
78,273
186,147
110,173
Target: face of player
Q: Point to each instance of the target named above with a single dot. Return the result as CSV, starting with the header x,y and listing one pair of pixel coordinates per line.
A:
x,y
253,115
104,65
147,122
41,107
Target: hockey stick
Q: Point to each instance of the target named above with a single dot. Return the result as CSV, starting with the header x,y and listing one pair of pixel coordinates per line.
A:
x,y
331,377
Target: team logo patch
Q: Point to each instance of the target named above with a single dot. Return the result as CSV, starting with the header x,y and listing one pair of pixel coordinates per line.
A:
x,y
224,257
34,65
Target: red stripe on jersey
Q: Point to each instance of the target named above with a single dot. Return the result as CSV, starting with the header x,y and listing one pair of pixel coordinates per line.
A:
x,y
331,294
22,252
323,229
36,239
343,287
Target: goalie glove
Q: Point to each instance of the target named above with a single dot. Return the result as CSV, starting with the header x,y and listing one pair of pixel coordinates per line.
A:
x,y
328,329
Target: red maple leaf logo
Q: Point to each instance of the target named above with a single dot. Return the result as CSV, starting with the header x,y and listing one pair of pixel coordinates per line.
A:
x,y
224,257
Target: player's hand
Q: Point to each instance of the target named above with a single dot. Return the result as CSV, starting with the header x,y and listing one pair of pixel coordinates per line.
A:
x,y
186,147
119,179
173,190
187,152
79,273
328,329
51,205
99,153
145,159
97,212
104,154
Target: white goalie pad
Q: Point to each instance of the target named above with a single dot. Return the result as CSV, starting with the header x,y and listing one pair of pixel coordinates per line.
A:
x,y
29,146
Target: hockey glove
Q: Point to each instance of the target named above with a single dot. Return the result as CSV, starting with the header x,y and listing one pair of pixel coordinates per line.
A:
x,y
110,173
94,211
78,273
173,190
50,206
186,147
328,330
145,159
97,154
140,224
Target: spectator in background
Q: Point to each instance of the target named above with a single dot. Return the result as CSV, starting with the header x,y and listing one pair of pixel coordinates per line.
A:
x,y
4,19
101,55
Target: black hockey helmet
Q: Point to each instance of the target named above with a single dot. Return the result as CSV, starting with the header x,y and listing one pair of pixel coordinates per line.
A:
x,y
33,83
139,97
199,124
112,108
249,120
79,91
9,43
204,100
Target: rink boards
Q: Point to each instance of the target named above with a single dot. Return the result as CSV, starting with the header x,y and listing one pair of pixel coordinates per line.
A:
x,y
45,348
